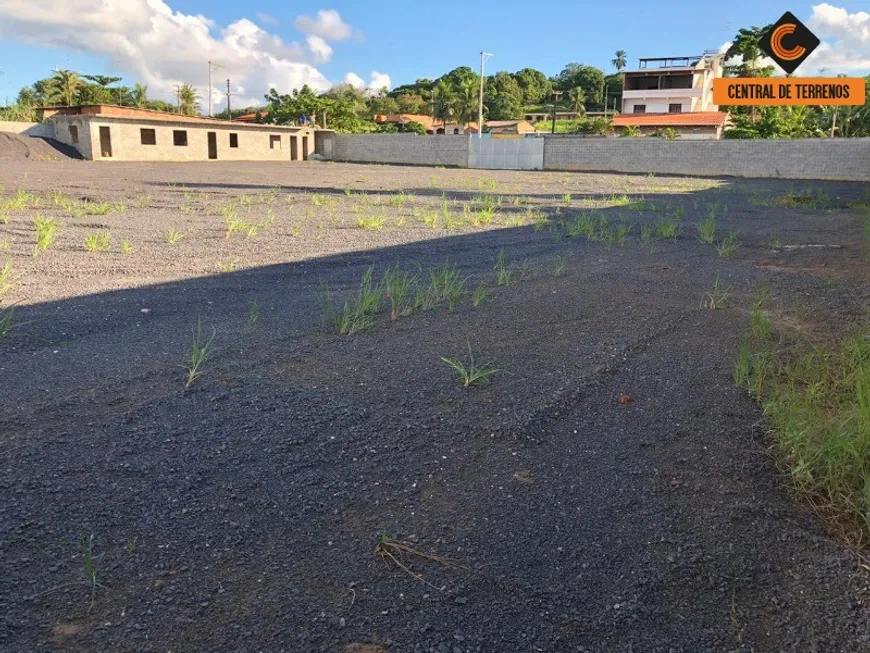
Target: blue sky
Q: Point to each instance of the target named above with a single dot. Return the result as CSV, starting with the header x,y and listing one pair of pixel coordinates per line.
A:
x,y
401,40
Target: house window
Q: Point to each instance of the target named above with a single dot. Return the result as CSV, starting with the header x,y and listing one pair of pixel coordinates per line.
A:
x,y
234,140
148,136
675,108
179,138
274,142
74,133
456,130
639,108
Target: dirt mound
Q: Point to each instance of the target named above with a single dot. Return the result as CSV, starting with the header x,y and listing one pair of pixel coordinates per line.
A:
x,y
15,147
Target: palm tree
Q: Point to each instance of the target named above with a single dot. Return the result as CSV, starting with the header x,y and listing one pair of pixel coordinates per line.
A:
x,y
577,100
619,61
188,100
442,102
465,101
65,85
140,95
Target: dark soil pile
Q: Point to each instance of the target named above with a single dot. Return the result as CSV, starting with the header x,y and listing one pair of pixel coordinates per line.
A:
x,y
15,147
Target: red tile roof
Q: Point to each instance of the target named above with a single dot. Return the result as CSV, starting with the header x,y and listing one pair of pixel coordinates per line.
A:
x,y
250,117
694,119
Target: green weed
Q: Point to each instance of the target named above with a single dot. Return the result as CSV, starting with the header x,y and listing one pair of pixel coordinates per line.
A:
x,y
668,229
479,295
470,373
46,232
399,288
728,245
371,222
718,296
707,229
98,242
173,236
6,325
200,353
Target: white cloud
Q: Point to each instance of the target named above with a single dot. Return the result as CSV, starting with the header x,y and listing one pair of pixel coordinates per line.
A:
x,y
320,49
269,19
845,46
377,81
380,80
354,80
327,25
161,47
845,38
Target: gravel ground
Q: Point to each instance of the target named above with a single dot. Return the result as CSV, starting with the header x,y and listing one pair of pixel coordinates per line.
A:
x,y
609,491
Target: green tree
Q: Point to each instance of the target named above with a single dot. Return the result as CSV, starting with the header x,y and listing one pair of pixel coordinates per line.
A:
x,y
466,99
503,97
589,78
411,103
413,127
140,95
382,104
459,76
442,101
65,86
745,47
535,85
188,100
577,100
619,60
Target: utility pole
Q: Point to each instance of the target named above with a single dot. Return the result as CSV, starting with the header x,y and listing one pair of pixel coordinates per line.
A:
x,y
178,98
555,98
483,57
229,113
215,66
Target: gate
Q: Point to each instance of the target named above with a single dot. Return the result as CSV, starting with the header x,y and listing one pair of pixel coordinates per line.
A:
x,y
506,152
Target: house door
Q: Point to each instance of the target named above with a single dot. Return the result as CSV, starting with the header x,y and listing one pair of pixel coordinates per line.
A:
x,y
294,148
305,148
212,145
105,142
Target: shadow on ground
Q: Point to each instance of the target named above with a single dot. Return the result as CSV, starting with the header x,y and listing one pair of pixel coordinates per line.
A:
x,y
609,491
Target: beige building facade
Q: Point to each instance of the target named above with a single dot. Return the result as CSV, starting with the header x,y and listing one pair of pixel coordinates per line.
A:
x,y
124,134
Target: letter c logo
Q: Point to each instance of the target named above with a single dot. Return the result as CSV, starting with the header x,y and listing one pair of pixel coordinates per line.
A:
x,y
776,43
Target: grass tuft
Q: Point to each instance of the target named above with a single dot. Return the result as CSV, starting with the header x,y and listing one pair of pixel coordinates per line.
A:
x,y
46,232
200,352
728,245
470,373
98,242
717,297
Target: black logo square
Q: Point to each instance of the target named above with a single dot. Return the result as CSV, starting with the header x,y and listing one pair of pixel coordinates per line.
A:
x,y
789,42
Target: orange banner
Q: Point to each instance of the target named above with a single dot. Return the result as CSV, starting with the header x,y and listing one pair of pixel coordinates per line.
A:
x,y
761,91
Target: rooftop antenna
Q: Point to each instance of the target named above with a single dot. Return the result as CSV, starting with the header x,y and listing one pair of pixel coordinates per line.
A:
x,y
483,57
212,65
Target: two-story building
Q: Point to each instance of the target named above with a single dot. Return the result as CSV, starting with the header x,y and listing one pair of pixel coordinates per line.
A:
x,y
674,92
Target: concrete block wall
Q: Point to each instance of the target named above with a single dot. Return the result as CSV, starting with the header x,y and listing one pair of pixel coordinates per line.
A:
x,y
412,149
40,129
817,158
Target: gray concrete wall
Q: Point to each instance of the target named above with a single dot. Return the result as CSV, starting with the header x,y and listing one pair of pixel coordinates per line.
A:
x,y
846,159
61,128
40,129
413,149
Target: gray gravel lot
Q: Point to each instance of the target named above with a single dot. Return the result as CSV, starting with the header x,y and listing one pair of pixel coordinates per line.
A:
x,y
609,491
